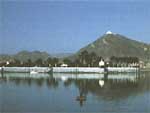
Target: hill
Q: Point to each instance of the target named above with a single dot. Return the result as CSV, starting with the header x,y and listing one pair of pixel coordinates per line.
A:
x,y
25,55
111,44
34,55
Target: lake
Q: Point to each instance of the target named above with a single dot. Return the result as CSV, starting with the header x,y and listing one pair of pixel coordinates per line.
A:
x,y
22,92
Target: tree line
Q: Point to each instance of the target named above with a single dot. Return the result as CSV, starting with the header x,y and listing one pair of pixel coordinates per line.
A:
x,y
84,59
123,61
53,62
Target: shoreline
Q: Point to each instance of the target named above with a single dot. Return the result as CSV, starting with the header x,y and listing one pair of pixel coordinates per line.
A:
x,y
71,69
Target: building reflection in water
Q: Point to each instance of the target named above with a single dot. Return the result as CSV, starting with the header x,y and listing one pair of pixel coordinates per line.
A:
x,y
112,86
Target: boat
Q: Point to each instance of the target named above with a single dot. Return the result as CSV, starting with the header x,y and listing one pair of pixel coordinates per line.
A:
x,y
33,72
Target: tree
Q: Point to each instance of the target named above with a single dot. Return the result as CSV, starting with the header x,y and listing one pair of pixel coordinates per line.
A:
x,y
92,57
39,62
83,57
88,59
16,62
49,61
77,63
29,63
67,61
55,62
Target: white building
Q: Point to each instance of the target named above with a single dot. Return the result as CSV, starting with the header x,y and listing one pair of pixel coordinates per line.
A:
x,y
64,65
101,63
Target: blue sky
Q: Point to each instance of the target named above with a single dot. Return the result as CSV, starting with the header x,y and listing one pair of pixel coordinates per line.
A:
x,y
61,26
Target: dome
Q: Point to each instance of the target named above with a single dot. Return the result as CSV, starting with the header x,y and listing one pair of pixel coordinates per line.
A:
x,y
109,32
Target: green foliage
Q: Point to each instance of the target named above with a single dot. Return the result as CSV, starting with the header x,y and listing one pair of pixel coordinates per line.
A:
x,y
123,61
86,59
52,62
68,62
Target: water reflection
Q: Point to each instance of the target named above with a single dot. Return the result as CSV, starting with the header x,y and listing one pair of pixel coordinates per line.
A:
x,y
103,87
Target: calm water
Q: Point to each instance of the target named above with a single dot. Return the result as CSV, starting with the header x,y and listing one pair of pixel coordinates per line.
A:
x,y
20,92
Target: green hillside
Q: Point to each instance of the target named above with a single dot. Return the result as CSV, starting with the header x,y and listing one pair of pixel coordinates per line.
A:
x,y
25,55
33,56
117,45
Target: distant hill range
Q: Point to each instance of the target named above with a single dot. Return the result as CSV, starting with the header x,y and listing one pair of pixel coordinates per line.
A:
x,y
34,55
111,44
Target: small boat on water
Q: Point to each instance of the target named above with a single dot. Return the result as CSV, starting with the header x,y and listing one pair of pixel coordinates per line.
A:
x,y
33,72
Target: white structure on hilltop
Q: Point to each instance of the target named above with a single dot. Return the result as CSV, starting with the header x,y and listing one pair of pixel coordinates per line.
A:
x,y
109,32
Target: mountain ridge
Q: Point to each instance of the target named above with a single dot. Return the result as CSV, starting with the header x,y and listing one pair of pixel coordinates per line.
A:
x,y
32,55
111,44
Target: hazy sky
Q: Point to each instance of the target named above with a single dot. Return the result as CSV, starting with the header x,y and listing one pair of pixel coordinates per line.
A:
x,y
67,26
